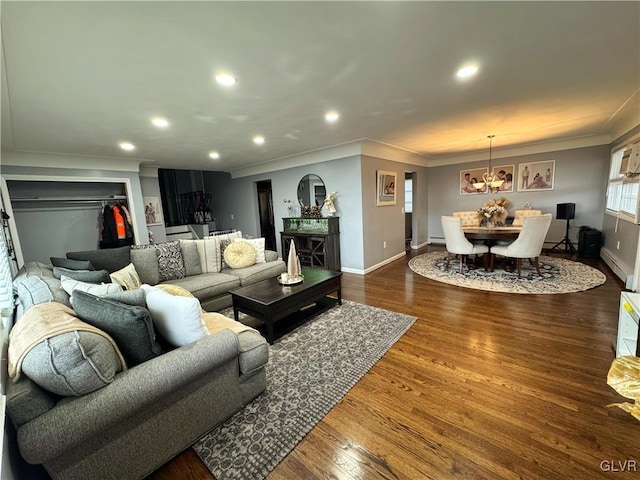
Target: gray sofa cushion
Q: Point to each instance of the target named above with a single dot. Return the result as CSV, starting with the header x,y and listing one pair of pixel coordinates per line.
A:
x,y
270,256
36,290
71,264
258,272
73,363
207,285
31,269
130,326
26,400
109,259
254,351
89,276
145,259
190,258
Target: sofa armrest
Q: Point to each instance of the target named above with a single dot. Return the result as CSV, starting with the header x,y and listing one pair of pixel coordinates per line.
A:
x,y
26,400
270,256
76,420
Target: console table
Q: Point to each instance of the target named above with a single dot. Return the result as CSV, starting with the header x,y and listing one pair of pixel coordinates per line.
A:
x,y
317,241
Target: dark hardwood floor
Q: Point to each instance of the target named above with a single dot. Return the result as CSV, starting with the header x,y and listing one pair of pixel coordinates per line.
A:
x,y
483,386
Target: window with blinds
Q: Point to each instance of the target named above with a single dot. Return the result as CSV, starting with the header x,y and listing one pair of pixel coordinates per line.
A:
x,y
6,288
623,200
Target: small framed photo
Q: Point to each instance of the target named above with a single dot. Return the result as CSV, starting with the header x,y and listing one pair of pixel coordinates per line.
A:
x,y
470,176
536,176
506,173
386,188
152,211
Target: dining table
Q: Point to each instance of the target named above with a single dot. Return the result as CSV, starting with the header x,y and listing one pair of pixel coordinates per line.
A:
x,y
490,236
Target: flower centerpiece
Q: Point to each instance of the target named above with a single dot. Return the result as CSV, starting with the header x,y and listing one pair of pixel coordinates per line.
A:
x,y
494,212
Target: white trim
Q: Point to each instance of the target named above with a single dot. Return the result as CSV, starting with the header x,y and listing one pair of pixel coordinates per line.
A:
x,y
374,267
66,178
420,245
67,160
619,268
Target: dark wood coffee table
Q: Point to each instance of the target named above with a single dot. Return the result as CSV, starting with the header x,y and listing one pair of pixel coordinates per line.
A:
x,y
271,302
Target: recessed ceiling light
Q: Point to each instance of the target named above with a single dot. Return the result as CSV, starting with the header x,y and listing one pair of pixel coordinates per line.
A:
x,y
160,122
128,146
226,79
332,116
214,155
258,140
467,71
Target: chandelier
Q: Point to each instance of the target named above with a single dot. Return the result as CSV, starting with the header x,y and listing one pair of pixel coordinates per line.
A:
x,y
490,179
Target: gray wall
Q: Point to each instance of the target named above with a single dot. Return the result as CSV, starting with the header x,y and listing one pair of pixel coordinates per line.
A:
x,y
580,178
238,198
40,233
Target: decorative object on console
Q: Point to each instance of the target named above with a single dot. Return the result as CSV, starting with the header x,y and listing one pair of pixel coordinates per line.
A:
x,y
330,203
493,213
310,212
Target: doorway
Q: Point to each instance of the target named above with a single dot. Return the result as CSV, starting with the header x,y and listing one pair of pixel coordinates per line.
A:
x,y
265,210
408,210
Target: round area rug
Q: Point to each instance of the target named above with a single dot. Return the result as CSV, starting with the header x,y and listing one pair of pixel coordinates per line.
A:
x,y
558,275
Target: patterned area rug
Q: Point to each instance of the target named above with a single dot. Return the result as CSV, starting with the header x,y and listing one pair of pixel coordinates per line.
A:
x,y
558,275
309,371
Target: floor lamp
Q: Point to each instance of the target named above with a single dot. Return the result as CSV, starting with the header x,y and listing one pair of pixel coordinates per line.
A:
x,y
565,211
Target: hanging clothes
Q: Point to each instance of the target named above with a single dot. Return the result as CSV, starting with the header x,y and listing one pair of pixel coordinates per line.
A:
x,y
109,236
128,227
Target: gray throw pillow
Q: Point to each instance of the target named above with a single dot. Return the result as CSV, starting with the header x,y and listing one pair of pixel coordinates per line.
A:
x,y
109,259
130,326
73,363
145,260
170,263
191,259
36,290
89,276
71,264
129,297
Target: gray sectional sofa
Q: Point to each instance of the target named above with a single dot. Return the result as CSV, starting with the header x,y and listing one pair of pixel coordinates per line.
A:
x,y
152,411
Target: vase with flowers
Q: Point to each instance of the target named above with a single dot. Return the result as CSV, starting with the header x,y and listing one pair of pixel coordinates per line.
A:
x,y
493,213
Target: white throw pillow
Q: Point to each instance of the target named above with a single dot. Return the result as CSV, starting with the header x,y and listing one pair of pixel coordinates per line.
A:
x,y
178,319
258,244
208,253
99,290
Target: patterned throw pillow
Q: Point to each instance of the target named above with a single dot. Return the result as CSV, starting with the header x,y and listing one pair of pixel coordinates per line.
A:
x,y
223,246
170,263
127,277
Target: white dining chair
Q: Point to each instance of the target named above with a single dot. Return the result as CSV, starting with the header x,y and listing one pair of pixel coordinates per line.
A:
x,y
520,214
456,242
528,244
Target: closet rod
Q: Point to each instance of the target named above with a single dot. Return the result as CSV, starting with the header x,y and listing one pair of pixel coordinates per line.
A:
x,y
111,198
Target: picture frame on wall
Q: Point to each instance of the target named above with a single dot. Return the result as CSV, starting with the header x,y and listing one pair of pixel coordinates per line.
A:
x,y
152,210
536,176
386,188
506,173
470,176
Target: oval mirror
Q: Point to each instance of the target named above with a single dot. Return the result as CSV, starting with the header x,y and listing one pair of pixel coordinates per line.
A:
x,y
311,191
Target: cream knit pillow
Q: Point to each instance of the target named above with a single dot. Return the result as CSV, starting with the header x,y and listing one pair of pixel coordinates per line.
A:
x,y
240,254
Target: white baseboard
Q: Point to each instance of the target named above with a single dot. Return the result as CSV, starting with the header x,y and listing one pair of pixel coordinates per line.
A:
x,y
617,266
419,246
358,271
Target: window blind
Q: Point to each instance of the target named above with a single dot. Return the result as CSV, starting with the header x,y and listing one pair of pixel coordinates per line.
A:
x,y
6,287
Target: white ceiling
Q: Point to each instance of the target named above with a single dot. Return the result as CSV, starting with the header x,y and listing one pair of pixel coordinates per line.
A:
x,y
79,77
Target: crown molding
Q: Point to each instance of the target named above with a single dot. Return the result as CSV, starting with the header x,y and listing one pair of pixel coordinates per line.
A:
x,y
520,150
57,160
374,148
149,171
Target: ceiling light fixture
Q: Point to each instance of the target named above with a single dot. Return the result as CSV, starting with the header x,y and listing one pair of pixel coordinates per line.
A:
x,y
128,146
258,140
214,155
467,71
226,79
160,122
332,116
489,177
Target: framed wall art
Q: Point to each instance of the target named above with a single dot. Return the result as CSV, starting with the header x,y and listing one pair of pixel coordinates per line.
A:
x,y
386,188
152,212
536,176
470,176
506,173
